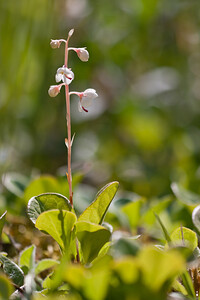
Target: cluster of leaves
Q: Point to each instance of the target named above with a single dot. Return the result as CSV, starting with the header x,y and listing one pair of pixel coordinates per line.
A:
x,y
133,263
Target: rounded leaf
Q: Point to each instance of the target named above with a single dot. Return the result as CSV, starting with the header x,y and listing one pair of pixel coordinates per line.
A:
x,y
185,237
45,202
59,224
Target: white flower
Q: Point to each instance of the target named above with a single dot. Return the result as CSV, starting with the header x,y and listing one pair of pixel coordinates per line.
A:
x,y
55,44
54,90
64,74
86,99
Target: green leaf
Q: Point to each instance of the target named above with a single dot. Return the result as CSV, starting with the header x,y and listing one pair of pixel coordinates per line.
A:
x,y
185,196
165,232
12,270
59,224
27,257
187,283
124,246
43,184
183,236
98,208
160,268
196,217
45,264
92,237
132,211
48,282
45,202
6,289
15,183
2,222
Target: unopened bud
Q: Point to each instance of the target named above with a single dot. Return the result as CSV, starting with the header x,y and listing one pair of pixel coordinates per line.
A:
x,y
55,44
70,32
82,53
54,90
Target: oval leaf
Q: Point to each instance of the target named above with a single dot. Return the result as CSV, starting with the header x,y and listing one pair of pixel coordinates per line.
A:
x,y
185,237
92,237
27,257
98,208
185,196
59,224
12,270
45,264
45,202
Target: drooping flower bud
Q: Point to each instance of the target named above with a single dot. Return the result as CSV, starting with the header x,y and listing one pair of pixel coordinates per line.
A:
x,y
82,53
55,44
86,99
54,90
64,74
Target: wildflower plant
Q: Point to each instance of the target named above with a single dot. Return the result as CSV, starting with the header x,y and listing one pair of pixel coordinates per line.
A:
x,y
86,98
53,213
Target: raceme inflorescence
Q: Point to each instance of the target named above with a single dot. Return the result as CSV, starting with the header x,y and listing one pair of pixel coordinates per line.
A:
x,y
65,75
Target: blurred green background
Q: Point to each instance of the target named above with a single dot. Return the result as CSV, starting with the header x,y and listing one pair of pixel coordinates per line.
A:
x,y
143,130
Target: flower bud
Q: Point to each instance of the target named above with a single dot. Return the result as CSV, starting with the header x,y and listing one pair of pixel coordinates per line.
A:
x,y
55,44
70,32
54,90
82,53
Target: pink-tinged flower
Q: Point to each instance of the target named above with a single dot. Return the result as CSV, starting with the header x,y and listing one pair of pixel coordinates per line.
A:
x,y
86,99
64,74
54,90
55,44
82,53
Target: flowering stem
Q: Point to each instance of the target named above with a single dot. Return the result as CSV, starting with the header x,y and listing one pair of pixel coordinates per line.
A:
x,y
68,118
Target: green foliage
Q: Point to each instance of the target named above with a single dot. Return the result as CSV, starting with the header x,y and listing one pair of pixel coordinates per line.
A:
x,y
92,238
59,224
6,288
45,264
184,237
44,202
12,270
27,258
96,211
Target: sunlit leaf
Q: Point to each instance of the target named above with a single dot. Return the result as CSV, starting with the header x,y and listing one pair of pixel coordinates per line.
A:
x,y
6,289
59,224
12,270
98,208
159,268
45,264
45,202
27,257
92,237
132,211
185,237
